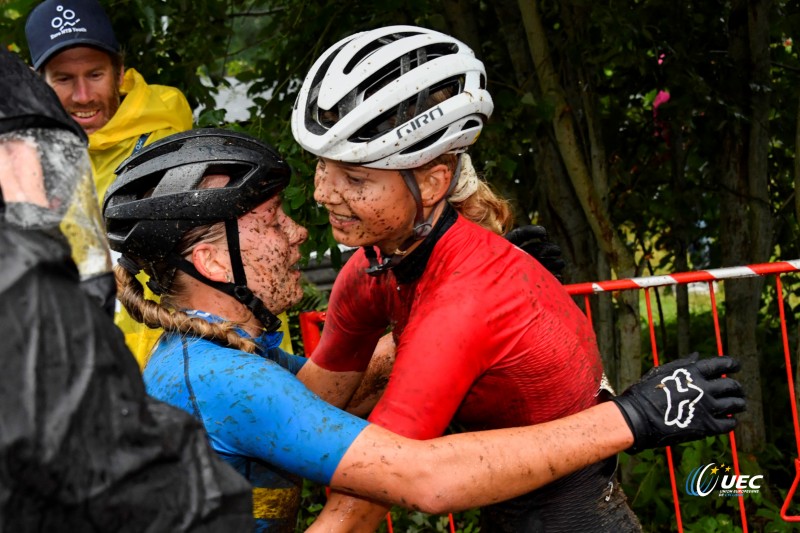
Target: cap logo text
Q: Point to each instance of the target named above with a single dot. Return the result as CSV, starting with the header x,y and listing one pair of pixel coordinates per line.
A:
x,y
65,23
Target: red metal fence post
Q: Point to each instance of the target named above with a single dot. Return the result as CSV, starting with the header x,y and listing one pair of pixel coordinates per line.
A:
x,y
792,400
710,276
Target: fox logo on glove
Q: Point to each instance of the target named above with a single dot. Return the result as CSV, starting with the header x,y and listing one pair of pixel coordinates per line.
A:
x,y
682,395
683,400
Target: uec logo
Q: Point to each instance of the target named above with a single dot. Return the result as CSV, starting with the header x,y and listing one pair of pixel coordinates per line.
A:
x,y
704,479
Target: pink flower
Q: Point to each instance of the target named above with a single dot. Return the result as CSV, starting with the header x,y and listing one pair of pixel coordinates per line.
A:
x,y
661,98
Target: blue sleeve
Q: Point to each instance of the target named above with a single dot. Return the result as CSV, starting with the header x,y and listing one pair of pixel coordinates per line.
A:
x,y
251,406
291,362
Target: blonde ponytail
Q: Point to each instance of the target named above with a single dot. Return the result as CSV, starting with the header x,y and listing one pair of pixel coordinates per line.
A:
x,y
473,198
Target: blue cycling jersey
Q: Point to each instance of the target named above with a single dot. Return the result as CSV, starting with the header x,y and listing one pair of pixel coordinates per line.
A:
x,y
258,416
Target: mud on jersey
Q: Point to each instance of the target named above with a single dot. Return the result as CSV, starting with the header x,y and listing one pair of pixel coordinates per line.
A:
x,y
258,416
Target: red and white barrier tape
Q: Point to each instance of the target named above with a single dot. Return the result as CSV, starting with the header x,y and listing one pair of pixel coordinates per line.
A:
x,y
685,277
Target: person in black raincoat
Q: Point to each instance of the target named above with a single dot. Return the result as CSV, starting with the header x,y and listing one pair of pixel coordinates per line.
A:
x,y
82,447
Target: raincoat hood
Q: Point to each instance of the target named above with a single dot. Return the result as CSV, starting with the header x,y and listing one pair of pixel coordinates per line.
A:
x,y
87,450
27,101
45,176
147,113
144,109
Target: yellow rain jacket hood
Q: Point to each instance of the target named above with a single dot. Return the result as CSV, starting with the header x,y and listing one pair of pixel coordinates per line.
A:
x,y
147,113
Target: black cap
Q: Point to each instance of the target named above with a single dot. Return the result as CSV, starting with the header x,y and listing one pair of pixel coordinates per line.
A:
x,y
55,25
28,102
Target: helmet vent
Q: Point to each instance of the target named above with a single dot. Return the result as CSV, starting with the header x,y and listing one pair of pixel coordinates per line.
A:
x,y
471,124
370,48
424,143
408,109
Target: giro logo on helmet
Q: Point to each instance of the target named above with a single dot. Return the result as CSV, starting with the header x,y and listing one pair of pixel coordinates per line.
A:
x,y
419,121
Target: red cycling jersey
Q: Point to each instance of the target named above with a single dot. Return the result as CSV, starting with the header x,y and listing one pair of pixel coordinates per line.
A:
x,y
485,336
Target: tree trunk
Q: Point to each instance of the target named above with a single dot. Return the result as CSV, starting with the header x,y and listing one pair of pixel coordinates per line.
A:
x,y
746,198
585,186
797,165
603,318
681,243
513,34
797,217
742,303
741,296
553,198
463,25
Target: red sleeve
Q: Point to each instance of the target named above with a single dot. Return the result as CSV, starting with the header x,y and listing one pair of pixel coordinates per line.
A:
x,y
355,320
438,359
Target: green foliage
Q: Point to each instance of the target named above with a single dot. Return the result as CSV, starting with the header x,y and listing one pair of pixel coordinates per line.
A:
x,y
416,522
312,499
650,494
403,521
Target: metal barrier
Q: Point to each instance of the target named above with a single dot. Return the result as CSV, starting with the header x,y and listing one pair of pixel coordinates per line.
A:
x,y
310,323
710,277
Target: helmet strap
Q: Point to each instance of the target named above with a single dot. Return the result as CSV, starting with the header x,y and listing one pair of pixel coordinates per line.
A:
x,y
422,227
238,288
241,293
129,264
234,252
376,267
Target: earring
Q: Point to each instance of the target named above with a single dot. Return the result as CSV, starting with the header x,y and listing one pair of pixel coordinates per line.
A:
x,y
227,277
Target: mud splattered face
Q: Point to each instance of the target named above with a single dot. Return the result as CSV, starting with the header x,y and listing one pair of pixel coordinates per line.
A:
x,y
366,206
270,245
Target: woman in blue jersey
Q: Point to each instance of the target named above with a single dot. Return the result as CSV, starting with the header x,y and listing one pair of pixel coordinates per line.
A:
x,y
200,213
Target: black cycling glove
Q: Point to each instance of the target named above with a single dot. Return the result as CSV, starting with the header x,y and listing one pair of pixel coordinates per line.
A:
x,y
680,401
534,240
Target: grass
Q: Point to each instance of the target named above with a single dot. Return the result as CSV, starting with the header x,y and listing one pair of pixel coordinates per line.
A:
x,y
699,302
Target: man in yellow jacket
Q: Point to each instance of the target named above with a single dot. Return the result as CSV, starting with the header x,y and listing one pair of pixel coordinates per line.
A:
x,y
74,48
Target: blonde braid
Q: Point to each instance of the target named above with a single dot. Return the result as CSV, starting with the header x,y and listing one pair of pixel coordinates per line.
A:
x,y
155,315
221,331
130,293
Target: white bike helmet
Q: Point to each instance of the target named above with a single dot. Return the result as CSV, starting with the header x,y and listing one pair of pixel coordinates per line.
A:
x,y
366,100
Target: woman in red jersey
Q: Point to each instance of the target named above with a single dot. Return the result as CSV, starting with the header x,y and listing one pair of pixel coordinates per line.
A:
x,y
484,334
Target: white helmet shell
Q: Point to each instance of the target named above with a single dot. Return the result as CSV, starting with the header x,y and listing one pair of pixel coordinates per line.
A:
x,y
365,100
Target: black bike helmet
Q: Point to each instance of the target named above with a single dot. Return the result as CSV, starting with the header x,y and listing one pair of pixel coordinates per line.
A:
x,y
156,199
